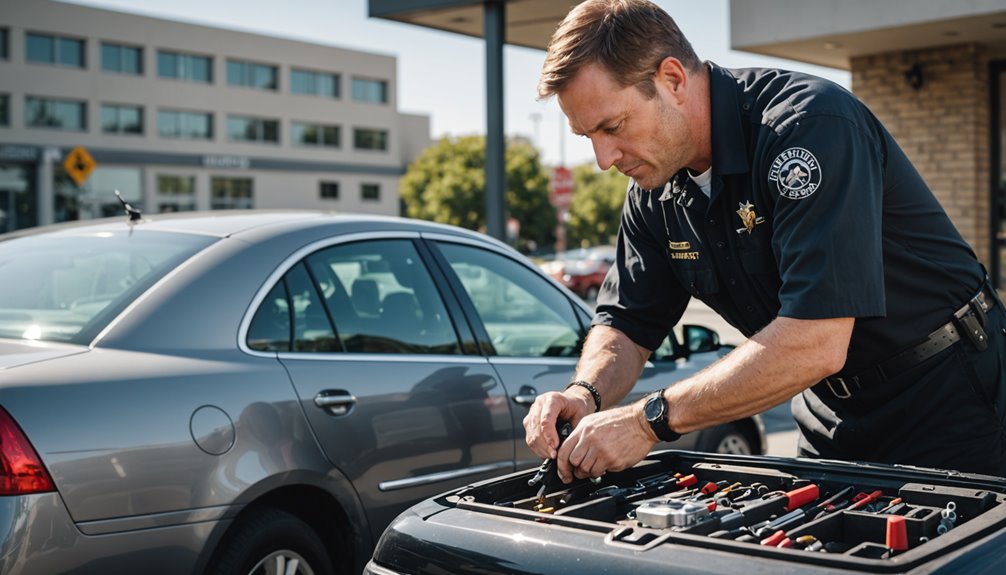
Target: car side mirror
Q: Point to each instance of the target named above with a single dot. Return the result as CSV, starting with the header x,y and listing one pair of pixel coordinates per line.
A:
x,y
700,339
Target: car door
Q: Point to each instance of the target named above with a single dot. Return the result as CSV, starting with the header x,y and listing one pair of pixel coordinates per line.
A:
x,y
530,329
375,354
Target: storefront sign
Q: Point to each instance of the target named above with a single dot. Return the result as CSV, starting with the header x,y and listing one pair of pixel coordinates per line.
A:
x,y
19,153
228,162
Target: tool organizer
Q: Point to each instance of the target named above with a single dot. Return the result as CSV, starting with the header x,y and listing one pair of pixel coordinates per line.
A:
x,y
792,509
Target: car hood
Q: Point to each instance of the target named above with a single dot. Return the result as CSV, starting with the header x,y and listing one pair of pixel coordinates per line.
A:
x,y
14,353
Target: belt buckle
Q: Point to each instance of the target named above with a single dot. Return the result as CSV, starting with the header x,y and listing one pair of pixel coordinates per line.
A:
x,y
846,393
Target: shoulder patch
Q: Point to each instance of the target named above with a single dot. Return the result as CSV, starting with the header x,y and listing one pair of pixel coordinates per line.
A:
x,y
796,173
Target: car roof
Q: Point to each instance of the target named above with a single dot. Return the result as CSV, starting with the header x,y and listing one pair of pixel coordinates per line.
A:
x,y
235,223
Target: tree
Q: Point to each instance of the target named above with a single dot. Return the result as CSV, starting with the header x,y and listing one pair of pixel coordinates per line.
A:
x,y
596,209
446,184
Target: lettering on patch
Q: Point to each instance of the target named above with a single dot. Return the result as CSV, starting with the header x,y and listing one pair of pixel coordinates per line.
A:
x,y
684,255
680,246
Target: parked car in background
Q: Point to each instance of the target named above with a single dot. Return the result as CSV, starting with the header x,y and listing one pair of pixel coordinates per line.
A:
x,y
263,392
582,270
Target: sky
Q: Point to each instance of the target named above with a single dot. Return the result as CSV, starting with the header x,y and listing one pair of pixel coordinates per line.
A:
x,y
441,74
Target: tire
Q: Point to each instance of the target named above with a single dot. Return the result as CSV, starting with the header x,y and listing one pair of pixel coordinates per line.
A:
x,y
271,542
730,438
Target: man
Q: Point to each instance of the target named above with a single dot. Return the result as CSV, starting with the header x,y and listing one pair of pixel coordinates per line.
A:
x,y
780,201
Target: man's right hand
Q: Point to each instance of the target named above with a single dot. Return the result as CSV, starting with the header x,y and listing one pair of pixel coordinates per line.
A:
x,y
571,405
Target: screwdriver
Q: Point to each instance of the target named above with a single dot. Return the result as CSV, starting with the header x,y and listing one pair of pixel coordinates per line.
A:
x,y
547,472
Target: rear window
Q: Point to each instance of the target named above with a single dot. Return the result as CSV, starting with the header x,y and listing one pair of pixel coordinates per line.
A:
x,y
67,287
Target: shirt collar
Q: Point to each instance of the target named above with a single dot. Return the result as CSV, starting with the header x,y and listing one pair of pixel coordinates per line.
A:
x,y
728,139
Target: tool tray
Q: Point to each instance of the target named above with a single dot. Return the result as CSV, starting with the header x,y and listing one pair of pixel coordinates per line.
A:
x,y
646,507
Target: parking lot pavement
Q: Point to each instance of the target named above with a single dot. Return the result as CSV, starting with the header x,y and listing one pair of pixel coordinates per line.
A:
x,y
780,428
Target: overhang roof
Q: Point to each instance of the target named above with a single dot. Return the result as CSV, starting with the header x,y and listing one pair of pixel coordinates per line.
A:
x,y
529,23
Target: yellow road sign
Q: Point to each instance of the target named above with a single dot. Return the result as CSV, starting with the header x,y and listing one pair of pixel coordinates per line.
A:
x,y
79,164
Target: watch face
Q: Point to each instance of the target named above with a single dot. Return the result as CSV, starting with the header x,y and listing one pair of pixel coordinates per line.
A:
x,y
654,408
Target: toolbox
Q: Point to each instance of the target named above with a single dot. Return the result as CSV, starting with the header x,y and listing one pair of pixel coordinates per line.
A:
x,y
680,511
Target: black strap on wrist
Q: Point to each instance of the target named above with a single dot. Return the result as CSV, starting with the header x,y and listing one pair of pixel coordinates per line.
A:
x,y
593,392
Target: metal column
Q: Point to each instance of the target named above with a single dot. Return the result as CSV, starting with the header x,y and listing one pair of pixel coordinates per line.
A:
x,y
495,32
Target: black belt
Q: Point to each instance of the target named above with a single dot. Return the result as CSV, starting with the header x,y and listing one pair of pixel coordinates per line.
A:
x,y
969,320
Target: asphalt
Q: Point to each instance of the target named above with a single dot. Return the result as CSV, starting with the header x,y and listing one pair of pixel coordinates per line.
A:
x,y
780,429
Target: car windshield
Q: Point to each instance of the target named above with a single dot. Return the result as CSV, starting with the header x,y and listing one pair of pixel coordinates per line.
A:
x,y
66,287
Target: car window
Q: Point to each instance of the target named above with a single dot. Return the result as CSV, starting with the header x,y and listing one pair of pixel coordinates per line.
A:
x,y
524,315
363,297
67,287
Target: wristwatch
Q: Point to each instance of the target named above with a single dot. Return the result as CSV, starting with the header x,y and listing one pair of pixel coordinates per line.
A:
x,y
655,411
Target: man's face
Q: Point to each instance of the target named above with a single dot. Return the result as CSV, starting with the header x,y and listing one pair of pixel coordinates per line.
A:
x,y
646,139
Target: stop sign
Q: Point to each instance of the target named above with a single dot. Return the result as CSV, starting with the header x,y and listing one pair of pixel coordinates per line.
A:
x,y
561,187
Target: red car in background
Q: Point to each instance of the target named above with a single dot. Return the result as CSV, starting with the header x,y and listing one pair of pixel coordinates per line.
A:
x,y
582,270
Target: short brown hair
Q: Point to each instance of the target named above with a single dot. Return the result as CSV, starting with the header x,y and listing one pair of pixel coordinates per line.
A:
x,y
628,38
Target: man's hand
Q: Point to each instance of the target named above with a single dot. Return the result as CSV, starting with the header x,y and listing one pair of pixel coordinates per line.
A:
x,y
547,409
611,440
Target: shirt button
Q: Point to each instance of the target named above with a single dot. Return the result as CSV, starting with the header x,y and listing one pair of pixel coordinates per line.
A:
x,y
721,245
712,222
749,308
733,282
746,106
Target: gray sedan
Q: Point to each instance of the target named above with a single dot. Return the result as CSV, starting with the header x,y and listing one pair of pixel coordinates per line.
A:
x,y
263,392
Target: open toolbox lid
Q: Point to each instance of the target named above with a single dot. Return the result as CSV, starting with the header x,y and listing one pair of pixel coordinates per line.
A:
x,y
832,514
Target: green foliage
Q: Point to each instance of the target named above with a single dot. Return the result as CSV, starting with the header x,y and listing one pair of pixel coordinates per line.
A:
x,y
447,184
596,210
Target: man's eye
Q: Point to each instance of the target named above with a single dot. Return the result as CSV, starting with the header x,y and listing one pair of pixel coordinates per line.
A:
x,y
613,129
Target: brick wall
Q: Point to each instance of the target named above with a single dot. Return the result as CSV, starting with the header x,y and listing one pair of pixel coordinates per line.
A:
x,y
943,126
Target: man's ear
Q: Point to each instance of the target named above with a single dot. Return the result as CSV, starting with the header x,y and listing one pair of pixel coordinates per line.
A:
x,y
671,76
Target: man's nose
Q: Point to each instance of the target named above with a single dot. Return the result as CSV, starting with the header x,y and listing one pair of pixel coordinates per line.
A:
x,y
605,151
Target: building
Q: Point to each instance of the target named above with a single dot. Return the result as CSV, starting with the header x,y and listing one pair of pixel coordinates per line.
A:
x,y
178,116
934,72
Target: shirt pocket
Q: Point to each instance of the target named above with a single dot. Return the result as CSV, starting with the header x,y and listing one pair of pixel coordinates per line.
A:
x,y
697,276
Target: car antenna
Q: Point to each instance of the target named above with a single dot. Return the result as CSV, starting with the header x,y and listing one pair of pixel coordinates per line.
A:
x,y
133,213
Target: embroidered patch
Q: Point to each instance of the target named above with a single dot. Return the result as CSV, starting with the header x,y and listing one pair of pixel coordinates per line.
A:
x,y
796,173
680,245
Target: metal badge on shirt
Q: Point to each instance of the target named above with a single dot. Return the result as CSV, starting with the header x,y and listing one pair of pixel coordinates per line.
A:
x,y
748,217
682,251
796,173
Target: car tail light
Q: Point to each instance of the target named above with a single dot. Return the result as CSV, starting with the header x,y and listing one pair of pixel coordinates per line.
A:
x,y
21,469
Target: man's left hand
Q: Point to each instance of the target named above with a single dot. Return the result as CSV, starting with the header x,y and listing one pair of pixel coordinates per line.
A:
x,y
611,440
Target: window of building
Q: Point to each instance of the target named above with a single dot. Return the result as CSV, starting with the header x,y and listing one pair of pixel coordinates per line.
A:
x,y
365,90
314,83
366,139
49,49
176,193
251,75
370,192
329,190
185,125
121,59
306,134
188,67
4,50
4,110
231,193
68,115
121,119
248,129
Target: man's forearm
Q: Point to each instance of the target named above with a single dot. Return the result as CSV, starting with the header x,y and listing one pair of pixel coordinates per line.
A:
x,y
611,362
777,363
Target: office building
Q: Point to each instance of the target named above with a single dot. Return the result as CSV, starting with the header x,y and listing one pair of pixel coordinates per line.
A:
x,y
179,116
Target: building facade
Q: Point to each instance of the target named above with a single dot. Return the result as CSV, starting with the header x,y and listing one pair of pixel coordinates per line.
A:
x,y
934,72
179,116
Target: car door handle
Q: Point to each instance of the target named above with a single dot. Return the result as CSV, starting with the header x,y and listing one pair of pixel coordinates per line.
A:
x,y
526,395
336,402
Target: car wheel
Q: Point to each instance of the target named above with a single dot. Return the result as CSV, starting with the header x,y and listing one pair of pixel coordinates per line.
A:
x,y
271,542
728,438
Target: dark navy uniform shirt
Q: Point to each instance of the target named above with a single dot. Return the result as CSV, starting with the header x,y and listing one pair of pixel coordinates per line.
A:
x,y
815,212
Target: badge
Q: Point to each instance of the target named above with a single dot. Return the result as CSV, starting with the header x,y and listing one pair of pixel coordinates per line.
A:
x,y
748,217
796,173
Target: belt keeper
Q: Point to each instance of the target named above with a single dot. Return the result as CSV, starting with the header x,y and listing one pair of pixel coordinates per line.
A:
x,y
593,392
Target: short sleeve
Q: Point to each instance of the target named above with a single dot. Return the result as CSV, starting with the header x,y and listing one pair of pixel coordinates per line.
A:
x,y
640,296
827,174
